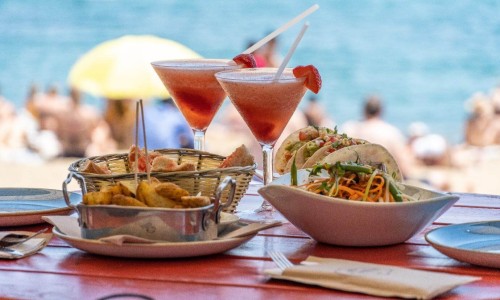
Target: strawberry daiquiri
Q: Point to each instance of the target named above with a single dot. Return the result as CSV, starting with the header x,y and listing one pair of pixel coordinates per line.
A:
x,y
267,104
194,89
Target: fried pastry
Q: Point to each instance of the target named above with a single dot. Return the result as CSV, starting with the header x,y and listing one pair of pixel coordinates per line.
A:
x,y
241,157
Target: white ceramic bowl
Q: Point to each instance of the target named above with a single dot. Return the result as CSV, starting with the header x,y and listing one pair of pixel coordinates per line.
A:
x,y
352,223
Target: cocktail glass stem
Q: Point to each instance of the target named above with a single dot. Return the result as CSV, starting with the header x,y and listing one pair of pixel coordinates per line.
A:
x,y
267,159
199,139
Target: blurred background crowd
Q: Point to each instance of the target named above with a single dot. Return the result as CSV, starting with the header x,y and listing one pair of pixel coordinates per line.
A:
x,y
53,124
403,74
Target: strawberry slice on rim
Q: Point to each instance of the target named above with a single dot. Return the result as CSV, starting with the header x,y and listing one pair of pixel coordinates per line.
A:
x,y
313,79
247,60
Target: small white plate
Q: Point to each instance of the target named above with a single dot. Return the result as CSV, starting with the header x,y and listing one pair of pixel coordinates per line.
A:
x,y
26,206
156,250
475,243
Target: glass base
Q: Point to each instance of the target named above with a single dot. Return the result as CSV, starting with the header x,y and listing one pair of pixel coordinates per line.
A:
x,y
265,207
266,213
265,216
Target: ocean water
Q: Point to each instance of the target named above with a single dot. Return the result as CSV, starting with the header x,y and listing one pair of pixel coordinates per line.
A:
x,y
424,58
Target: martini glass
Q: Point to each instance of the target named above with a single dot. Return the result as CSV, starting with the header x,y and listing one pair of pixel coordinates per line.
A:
x,y
265,104
195,91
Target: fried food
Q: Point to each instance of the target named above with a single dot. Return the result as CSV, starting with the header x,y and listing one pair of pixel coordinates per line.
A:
x,y
142,158
195,201
105,196
186,166
119,189
240,157
89,166
163,164
171,190
157,162
98,198
147,194
126,201
166,164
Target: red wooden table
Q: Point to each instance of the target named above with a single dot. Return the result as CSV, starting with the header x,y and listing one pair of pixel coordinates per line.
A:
x,y
63,272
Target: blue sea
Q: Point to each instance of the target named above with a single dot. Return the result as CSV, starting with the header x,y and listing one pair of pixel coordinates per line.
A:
x,y
424,58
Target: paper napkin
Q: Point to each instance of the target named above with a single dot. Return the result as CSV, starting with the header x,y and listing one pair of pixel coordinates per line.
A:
x,y
372,279
27,248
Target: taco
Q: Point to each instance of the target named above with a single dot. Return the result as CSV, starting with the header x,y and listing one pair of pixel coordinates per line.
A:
x,y
372,154
286,152
309,155
315,150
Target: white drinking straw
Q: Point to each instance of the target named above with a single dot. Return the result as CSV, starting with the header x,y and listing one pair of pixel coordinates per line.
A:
x,y
291,51
139,108
280,30
148,169
136,169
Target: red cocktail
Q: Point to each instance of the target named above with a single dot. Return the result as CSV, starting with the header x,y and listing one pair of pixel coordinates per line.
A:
x,y
265,104
196,92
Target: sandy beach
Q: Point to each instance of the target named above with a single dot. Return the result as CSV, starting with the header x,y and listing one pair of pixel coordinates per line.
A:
x,y
49,174
474,176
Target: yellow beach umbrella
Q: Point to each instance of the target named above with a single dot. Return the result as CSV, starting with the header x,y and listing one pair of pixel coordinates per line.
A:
x,y
121,68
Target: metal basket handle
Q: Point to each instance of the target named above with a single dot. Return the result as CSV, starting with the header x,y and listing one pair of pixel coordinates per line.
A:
x,y
218,206
65,183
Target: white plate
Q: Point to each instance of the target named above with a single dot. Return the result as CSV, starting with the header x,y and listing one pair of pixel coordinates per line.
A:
x,y
475,243
26,206
157,250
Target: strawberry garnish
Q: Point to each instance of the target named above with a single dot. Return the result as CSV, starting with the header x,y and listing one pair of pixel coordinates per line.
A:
x,y
313,79
247,60
303,136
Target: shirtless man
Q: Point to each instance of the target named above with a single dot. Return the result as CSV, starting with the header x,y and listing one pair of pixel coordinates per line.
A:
x,y
76,128
375,130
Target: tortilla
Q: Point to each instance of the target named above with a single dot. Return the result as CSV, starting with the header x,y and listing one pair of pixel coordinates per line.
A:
x,y
329,148
292,143
301,156
369,154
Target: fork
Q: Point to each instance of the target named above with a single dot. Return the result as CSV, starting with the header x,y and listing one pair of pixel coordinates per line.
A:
x,y
15,240
13,252
280,260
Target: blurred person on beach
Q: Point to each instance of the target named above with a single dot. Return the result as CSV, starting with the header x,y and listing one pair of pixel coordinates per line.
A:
x,y
76,125
495,122
478,131
120,116
267,55
46,106
10,135
102,142
271,54
481,130
45,109
18,133
40,141
429,149
30,101
315,113
375,129
480,148
165,126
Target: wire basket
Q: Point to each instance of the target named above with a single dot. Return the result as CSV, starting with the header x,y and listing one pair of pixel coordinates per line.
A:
x,y
204,180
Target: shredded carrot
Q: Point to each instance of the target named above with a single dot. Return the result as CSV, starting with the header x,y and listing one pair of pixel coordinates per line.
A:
x,y
351,186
